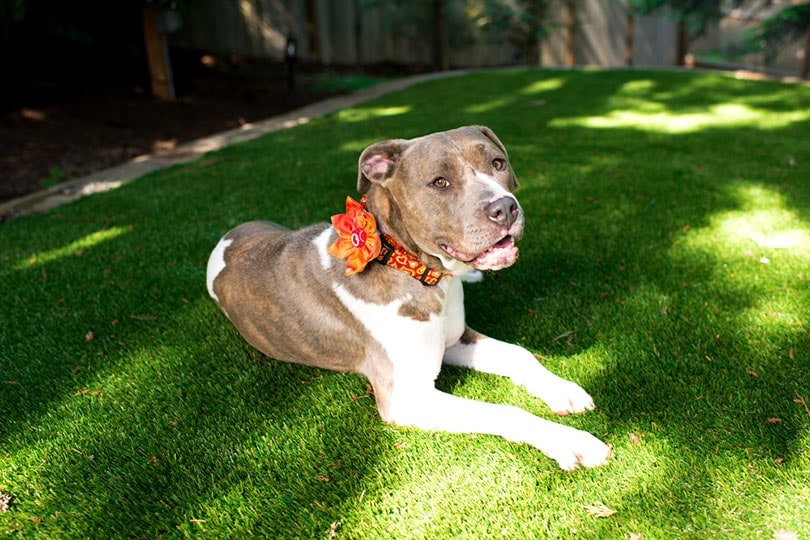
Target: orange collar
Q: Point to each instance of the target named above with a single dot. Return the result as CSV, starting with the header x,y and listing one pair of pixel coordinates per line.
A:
x,y
396,256
359,242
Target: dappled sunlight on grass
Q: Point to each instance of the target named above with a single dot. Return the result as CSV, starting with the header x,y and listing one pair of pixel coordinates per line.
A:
x,y
755,257
764,220
639,86
715,116
761,228
772,228
74,248
775,317
490,105
361,114
543,85
356,147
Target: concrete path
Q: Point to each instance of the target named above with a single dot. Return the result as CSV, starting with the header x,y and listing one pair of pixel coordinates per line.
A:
x,y
114,177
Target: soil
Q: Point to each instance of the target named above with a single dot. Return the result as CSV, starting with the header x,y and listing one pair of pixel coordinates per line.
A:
x,y
53,131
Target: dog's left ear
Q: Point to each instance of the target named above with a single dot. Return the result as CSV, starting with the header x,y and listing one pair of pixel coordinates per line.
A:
x,y
489,134
378,163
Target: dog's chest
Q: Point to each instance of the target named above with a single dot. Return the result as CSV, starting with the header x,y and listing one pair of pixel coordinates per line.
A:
x,y
414,347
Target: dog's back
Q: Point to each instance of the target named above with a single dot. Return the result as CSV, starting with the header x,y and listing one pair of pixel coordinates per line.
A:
x,y
267,279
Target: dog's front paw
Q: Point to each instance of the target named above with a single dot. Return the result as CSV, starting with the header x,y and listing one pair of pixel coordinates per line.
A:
x,y
562,397
574,448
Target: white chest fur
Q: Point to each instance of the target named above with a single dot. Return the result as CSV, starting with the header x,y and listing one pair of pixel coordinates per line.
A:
x,y
414,348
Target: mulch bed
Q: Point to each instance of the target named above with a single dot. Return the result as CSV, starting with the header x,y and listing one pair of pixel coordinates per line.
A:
x,y
51,132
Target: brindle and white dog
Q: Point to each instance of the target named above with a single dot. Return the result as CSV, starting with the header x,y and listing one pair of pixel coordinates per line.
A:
x,y
445,200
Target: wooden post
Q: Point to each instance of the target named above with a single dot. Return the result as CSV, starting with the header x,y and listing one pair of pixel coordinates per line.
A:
x,y
157,55
534,56
571,24
358,34
314,27
682,45
441,39
629,39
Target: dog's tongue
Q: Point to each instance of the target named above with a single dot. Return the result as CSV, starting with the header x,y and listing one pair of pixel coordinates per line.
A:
x,y
501,255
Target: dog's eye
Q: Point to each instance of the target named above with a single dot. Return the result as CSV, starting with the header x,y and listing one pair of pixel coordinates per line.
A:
x,y
441,182
499,164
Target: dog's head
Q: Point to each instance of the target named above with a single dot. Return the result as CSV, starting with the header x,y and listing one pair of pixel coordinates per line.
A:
x,y
446,196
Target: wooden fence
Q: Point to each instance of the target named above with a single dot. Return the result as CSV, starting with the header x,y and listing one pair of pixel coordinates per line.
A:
x,y
350,32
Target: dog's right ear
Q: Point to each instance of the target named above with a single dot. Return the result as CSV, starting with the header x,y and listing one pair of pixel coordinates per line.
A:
x,y
378,163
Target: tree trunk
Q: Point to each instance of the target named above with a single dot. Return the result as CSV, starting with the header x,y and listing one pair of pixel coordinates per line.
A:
x,y
157,55
629,39
314,28
571,25
806,60
534,56
682,46
441,39
358,34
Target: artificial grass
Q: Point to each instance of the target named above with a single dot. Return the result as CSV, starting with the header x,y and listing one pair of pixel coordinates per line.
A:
x,y
664,268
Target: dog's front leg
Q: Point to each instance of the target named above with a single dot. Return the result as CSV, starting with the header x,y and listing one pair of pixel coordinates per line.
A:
x,y
482,353
436,410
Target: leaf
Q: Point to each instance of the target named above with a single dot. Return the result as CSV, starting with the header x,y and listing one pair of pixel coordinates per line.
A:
x,y
800,400
773,420
635,439
5,501
599,510
565,334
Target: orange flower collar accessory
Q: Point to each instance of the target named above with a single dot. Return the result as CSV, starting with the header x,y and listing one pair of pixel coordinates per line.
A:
x,y
359,242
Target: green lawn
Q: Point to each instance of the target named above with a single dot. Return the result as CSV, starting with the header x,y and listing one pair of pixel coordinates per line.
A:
x,y
664,268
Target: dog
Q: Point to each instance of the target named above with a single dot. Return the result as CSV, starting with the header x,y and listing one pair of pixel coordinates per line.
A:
x,y
378,292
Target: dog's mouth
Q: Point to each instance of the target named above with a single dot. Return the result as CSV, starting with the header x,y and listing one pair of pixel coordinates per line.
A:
x,y
500,255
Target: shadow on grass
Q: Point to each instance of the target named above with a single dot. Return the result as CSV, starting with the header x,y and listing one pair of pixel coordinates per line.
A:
x,y
165,420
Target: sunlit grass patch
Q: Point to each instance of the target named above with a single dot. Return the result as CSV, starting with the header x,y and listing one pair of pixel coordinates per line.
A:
x,y
75,248
360,114
645,116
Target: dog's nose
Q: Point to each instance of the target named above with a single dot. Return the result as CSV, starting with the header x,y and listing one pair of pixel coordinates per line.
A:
x,y
503,211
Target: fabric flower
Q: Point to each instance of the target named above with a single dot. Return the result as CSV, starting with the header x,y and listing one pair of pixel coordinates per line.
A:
x,y
358,240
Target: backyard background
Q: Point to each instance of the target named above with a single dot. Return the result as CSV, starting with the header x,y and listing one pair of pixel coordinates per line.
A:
x,y
93,84
664,269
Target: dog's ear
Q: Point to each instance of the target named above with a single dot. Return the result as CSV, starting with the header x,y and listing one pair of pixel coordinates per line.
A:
x,y
489,134
378,162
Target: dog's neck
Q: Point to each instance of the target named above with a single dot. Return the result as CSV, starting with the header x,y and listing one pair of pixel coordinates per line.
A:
x,y
396,251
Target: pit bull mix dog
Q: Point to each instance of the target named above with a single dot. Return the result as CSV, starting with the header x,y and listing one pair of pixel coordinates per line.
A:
x,y
435,208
